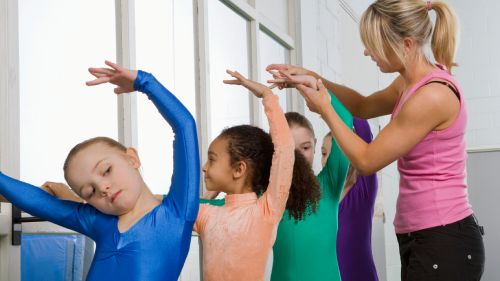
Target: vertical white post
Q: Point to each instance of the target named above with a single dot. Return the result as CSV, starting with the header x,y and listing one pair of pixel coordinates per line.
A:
x,y
203,101
255,105
125,56
10,260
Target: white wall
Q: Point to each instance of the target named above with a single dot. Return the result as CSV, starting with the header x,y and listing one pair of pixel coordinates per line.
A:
x,y
478,74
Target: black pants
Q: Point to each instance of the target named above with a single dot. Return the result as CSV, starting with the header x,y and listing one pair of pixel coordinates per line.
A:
x,y
452,252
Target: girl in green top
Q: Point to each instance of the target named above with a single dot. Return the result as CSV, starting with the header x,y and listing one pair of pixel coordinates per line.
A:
x,y
306,250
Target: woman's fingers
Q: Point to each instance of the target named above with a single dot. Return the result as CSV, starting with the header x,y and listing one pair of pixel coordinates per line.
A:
x,y
277,67
286,75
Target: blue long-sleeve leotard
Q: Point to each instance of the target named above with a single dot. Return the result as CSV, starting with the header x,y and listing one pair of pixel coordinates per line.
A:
x,y
154,248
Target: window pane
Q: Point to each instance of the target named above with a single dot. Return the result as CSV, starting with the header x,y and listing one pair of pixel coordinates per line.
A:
x,y
271,52
165,47
58,41
275,11
228,49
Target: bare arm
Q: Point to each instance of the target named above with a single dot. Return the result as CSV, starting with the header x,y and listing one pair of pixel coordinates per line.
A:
x,y
273,201
421,114
377,104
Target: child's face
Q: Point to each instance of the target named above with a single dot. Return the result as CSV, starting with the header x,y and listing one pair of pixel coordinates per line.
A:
x,y
326,147
217,169
106,178
304,142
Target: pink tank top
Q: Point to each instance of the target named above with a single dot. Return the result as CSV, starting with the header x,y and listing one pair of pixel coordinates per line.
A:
x,y
432,184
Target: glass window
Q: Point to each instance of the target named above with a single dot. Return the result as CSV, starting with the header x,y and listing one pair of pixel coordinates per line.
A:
x,y
228,49
58,41
271,52
165,48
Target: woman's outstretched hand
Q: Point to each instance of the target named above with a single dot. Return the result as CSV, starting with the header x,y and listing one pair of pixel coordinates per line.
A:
x,y
317,97
121,77
259,90
285,80
288,68
283,73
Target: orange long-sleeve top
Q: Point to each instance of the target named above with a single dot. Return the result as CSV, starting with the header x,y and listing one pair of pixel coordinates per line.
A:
x,y
238,236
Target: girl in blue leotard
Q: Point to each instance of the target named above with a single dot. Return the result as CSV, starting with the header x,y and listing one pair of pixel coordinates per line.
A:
x,y
138,237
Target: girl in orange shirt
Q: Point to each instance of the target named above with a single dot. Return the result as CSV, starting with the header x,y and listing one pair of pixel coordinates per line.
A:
x,y
257,171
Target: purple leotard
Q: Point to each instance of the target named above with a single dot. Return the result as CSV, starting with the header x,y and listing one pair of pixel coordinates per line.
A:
x,y
354,247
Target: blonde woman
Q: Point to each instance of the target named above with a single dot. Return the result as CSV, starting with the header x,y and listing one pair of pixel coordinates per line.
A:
x,y
438,236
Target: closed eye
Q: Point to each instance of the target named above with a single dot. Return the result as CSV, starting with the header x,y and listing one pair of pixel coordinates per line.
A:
x,y
108,170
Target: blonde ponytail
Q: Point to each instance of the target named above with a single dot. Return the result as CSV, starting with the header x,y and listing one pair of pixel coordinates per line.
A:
x,y
445,36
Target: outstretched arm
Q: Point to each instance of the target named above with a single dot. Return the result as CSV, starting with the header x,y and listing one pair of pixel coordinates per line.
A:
x,y
376,104
337,164
420,115
31,199
280,179
184,191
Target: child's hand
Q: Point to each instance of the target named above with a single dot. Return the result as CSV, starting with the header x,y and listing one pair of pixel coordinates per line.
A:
x,y
257,89
60,190
117,75
317,98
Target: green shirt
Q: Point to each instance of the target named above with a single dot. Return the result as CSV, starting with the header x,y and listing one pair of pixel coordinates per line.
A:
x,y
307,250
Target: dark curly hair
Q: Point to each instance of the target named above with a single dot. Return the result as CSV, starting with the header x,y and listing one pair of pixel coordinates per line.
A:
x,y
255,147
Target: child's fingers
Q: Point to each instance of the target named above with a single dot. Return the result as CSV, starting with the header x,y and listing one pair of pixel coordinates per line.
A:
x,y
274,85
106,71
230,72
98,75
279,80
276,74
235,74
232,82
113,65
98,81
